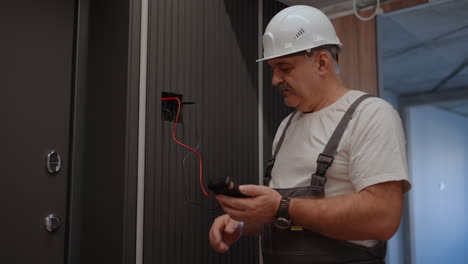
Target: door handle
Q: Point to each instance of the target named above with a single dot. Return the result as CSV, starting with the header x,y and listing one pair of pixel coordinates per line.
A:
x,y
52,223
53,161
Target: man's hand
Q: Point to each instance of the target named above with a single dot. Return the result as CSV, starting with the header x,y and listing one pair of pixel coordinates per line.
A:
x,y
260,208
224,232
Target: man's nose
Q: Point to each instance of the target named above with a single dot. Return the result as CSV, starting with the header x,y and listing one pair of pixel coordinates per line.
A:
x,y
276,80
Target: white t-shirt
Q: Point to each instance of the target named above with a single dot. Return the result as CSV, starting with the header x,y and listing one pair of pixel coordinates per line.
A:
x,y
372,149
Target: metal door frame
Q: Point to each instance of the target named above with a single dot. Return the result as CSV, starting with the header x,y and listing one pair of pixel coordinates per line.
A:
x,y
104,147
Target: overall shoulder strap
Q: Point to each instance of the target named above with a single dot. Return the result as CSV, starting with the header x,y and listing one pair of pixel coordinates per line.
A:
x,y
326,158
280,142
271,162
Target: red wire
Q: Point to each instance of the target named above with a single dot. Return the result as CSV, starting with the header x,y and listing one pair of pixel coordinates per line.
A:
x,y
183,145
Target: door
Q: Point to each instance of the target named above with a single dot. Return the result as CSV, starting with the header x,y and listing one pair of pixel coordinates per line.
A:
x,y
36,65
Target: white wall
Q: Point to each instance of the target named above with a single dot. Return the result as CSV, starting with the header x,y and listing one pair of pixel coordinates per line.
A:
x,y
438,155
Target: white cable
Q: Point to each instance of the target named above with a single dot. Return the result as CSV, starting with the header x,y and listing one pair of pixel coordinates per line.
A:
x,y
378,10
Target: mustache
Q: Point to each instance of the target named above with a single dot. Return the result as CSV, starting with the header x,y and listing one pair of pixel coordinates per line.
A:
x,y
285,87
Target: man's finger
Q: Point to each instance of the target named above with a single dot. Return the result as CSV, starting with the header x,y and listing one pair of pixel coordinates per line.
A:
x,y
233,226
233,203
215,232
216,237
223,247
252,190
235,214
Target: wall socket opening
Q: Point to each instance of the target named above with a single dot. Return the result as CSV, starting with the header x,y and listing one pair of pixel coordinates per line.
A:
x,y
169,108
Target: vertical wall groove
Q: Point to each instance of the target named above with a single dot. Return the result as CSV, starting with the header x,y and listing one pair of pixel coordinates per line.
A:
x,y
205,50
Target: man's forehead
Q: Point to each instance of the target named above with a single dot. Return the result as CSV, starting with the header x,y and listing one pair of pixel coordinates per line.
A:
x,y
282,61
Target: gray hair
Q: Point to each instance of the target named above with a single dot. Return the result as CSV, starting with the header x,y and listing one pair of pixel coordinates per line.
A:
x,y
334,51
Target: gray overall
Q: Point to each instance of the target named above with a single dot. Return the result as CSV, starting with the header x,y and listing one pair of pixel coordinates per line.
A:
x,y
304,246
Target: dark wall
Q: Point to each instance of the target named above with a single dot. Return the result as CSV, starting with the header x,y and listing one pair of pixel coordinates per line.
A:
x,y
274,109
206,51
104,170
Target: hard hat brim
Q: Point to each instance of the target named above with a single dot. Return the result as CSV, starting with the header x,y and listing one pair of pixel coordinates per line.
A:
x,y
292,52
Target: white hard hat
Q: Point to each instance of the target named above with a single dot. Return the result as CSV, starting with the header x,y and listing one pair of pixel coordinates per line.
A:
x,y
297,28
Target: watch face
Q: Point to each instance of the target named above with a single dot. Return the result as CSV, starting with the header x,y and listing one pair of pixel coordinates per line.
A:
x,y
282,223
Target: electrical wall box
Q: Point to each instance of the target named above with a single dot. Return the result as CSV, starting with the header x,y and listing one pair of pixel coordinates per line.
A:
x,y
169,107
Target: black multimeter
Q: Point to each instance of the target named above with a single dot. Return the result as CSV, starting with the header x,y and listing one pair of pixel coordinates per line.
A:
x,y
226,186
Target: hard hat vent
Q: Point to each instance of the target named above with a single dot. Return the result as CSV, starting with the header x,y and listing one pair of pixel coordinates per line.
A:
x,y
300,32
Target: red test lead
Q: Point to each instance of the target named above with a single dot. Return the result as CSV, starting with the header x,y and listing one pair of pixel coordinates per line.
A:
x,y
183,145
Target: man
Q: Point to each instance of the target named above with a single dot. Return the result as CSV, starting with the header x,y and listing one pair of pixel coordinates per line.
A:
x,y
338,173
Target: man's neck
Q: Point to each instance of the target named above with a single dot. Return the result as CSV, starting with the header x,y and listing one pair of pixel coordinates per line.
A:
x,y
329,94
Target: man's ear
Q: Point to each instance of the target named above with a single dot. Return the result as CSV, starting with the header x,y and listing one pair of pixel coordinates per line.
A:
x,y
324,61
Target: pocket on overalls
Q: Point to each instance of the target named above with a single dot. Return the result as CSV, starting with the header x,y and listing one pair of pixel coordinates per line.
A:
x,y
282,242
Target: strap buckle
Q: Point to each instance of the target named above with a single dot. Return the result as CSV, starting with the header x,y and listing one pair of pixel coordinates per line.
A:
x,y
268,169
324,161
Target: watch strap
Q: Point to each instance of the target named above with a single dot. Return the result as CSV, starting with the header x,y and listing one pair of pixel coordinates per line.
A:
x,y
283,210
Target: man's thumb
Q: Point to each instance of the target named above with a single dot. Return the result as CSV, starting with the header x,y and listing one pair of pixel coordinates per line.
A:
x,y
250,190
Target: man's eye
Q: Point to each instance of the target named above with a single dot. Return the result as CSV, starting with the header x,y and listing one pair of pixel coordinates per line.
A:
x,y
285,69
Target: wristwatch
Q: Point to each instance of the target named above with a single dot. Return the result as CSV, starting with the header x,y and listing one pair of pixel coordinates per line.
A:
x,y
282,220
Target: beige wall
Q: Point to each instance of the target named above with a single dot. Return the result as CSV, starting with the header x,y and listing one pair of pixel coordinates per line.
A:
x,y
358,58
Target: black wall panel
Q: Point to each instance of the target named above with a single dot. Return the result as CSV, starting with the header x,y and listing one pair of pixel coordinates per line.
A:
x,y
206,51
274,109
104,146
